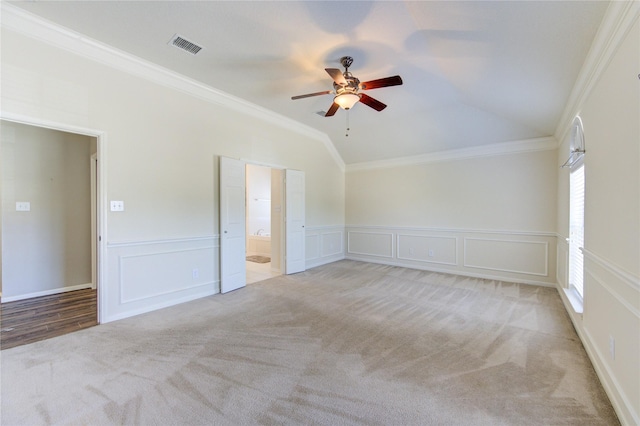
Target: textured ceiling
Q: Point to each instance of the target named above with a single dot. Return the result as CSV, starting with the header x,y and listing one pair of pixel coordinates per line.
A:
x,y
474,72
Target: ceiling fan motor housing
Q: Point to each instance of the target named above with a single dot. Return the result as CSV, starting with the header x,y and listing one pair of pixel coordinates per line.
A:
x,y
352,86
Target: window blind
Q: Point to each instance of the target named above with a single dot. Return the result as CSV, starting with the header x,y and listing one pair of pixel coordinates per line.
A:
x,y
576,229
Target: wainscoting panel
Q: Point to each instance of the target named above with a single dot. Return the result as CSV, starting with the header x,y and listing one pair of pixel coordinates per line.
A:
x,y
613,345
144,276
312,246
525,257
324,245
521,257
429,249
148,275
370,243
562,262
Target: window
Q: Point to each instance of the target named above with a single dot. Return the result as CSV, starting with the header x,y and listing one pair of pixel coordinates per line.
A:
x,y
576,208
576,228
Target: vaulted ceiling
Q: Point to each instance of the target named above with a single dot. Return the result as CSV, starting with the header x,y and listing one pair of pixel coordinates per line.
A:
x,y
474,72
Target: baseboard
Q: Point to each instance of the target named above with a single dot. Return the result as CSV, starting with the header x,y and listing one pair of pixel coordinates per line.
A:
x,y
451,271
319,261
47,292
166,304
618,399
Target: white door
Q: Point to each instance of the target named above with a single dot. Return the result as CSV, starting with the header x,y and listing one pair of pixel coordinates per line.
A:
x,y
233,274
294,221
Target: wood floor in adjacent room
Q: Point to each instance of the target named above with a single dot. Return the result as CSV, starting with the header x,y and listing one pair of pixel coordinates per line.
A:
x,y
31,320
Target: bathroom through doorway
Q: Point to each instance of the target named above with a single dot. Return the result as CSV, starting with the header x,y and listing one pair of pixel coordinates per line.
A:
x,y
264,222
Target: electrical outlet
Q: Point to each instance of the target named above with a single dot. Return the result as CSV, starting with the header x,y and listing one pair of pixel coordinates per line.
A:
x,y
195,273
612,347
411,250
117,206
23,206
431,253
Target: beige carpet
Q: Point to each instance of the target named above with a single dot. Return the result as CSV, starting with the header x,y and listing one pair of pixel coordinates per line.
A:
x,y
345,343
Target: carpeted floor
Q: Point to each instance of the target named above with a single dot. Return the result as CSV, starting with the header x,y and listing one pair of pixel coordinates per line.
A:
x,y
344,343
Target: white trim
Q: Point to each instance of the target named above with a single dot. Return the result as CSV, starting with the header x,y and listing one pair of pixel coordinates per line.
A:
x,y
562,281
172,291
317,232
575,300
165,304
52,125
455,250
632,281
618,20
101,145
453,272
47,292
23,22
621,300
620,402
335,228
457,230
611,386
546,256
391,256
116,244
502,148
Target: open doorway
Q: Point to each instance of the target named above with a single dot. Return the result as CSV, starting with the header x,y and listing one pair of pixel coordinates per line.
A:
x,y
50,199
233,226
264,197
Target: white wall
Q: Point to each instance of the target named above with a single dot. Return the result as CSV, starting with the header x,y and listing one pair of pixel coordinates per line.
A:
x,y
258,200
491,216
610,113
160,143
48,248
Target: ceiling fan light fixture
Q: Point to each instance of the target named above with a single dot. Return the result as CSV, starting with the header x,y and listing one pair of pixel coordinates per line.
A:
x,y
346,100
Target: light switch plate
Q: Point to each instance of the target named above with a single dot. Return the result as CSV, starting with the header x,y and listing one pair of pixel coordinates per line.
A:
x,y
117,206
23,206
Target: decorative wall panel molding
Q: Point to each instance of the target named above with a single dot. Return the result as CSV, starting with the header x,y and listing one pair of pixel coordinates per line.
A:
x,y
377,244
430,249
324,245
142,276
521,257
562,262
515,256
153,274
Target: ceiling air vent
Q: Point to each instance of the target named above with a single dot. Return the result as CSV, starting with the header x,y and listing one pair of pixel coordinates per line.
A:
x,y
184,44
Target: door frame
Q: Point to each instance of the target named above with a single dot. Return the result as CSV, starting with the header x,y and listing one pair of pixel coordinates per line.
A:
x,y
101,193
283,247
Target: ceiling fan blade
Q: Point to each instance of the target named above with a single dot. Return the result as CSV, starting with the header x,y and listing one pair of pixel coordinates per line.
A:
x,y
308,95
381,82
332,110
337,76
373,103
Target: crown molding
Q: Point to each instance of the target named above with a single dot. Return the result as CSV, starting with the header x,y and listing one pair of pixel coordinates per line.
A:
x,y
616,23
502,148
22,22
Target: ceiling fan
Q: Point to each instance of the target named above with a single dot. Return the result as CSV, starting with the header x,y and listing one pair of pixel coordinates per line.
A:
x,y
346,89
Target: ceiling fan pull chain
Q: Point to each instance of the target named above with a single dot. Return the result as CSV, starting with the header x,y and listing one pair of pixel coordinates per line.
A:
x,y
347,134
